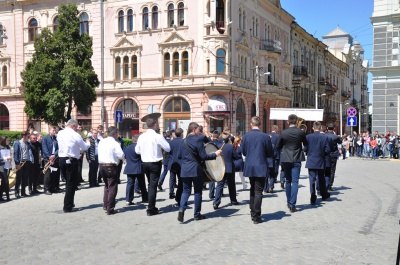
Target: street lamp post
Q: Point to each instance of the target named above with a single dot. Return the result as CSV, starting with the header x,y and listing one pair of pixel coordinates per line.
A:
x,y
258,89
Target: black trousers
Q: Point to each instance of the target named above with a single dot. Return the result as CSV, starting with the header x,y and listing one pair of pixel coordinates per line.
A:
x,y
256,189
34,177
109,175
179,190
4,184
333,171
80,164
69,168
22,177
93,171
152,171
51,180
130,186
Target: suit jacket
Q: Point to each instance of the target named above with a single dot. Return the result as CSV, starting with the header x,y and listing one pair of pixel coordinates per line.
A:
x,y
18,152
174,164
47,146
335,140
274,140
239,163
190,166
166,155
229,155
133,161
91,152
256,146
291,143
316,150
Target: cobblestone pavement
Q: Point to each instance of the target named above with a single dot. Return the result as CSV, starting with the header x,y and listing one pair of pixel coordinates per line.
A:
x,y
359,224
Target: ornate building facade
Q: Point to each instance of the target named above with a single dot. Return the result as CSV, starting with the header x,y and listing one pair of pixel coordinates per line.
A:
x,y
189,60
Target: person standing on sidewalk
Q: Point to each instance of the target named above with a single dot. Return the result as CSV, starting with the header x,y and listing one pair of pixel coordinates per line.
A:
x,y
70,144
256,148
149,146
51,179
36,148
291,142
316,150
92,156
110,154
23,159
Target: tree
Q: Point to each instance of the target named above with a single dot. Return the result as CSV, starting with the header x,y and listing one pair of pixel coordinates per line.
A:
x,y
60,75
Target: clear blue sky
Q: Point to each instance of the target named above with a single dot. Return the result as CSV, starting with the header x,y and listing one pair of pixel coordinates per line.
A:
x,y
319,17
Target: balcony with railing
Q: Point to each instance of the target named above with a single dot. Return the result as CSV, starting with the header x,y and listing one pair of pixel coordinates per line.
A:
x,y
345,95
300,71
220,26
271,46
353,82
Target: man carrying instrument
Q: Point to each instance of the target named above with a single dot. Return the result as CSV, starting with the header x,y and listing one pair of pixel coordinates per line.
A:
x,y
51,180
35,166
70,142
23,160
256,148
149,146
192,153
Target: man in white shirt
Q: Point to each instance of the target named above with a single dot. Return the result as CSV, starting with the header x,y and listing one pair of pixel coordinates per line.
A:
x,y
110,153
149,146
70,144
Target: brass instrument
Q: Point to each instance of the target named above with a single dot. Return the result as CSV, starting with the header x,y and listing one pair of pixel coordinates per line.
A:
x,y
84,134
48,164
301,125
13,175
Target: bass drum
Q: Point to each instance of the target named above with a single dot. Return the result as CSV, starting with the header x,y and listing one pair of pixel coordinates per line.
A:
x,y
213,169
12,178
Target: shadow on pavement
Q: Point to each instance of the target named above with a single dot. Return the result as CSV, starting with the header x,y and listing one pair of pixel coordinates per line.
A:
x,y
274,216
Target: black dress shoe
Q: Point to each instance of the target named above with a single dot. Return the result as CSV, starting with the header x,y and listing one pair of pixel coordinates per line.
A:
x,y
145,201
129,203
215,206
172,196
270,191
257,220
70,210
159,186
324,198
235,203
282,185
153,213
293,209
112,212
48,192
313,199
180,216
200,217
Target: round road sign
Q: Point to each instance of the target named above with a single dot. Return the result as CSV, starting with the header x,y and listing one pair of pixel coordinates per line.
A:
x,y
351,112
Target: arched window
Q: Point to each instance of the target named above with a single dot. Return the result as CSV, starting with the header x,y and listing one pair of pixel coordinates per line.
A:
x,y
130,20
126,67
4,118
134,66
145,18
118,68
240,117
181,14
167,58
175,64
221,54
1,34
33,29
176,109
154,17
170,15
240,18
121,16
4,75
55,24
185,63
84,23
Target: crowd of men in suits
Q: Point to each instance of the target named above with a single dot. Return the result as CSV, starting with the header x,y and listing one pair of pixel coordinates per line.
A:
x,y
257,155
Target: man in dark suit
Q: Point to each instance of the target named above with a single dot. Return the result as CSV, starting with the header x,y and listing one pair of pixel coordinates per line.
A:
x,y
134,170
50,154
23,159
317,149
92,156
334,153
273,163
291,142
174,166
229,155
256,147
193,153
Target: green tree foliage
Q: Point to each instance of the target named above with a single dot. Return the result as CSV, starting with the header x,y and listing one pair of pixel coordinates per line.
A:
x,y
60,75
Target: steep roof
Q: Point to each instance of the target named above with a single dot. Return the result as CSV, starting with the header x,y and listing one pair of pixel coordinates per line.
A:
x,y
336,32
